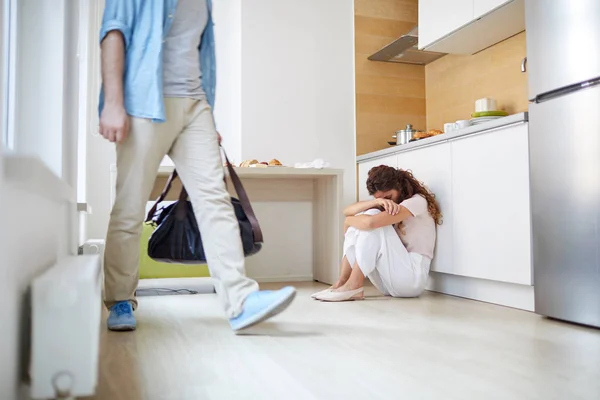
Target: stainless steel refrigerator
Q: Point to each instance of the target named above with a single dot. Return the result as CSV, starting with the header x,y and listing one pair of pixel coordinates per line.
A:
x,y
563,54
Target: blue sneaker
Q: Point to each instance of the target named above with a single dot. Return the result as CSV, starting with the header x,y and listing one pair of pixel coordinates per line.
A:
x,y
121,317
262,305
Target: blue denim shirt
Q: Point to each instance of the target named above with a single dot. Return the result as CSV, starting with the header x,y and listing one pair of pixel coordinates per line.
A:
x,y
145,25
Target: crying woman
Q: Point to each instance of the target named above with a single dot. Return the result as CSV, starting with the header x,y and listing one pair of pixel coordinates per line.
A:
x,y
389,239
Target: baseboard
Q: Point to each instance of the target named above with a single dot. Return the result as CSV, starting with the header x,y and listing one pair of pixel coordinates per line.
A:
x,y
285,278
200,285
501,293
205,285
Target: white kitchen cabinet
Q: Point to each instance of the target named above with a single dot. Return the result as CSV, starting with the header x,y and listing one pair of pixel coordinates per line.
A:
x,y
490,190
438,18
432,166
466,27
481,7
363,173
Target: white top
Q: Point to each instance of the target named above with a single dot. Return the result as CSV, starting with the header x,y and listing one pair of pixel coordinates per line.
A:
x,y
417,233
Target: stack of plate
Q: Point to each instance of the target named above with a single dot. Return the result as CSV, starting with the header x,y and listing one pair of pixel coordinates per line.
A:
x,y
486,116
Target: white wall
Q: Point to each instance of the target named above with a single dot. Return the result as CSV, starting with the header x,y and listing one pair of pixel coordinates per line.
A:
x,y
46,87
40,21
100,153
297,105
298,83
227,15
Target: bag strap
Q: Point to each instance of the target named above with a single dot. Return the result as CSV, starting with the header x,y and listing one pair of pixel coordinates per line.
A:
x,y
239,189
244,200
162,196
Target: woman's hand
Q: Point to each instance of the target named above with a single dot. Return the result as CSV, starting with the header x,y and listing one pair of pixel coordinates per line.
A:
x,y
390,206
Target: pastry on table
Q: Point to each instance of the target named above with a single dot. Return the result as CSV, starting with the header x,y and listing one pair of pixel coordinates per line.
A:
x,y
248,163
275,163
435,132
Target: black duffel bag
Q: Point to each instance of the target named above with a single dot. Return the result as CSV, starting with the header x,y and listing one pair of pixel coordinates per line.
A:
x,y
177,238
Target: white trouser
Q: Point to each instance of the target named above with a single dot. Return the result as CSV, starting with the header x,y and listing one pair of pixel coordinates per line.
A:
x,y
190,139
382,257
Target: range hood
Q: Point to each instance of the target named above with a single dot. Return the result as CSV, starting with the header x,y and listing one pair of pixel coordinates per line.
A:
x,y
404,50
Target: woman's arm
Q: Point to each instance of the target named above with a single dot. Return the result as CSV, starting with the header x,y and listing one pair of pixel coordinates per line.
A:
x,y
386,205
371,222
360,207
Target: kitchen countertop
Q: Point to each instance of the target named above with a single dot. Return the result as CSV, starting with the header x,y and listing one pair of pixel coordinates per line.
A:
x,y
471,130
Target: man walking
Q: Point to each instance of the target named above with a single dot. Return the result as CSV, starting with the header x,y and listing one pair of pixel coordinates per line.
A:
x,y
158,89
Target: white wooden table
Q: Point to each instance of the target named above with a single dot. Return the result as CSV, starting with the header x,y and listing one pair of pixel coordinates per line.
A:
x,y
321,187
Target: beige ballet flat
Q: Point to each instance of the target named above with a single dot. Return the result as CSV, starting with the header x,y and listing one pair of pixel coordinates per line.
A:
x,y
350,295
315,295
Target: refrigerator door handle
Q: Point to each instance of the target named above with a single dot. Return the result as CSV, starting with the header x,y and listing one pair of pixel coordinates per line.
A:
x,y
566,90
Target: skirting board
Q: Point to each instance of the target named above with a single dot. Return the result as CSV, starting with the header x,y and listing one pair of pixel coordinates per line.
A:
x,y
279,279
205,285
200,285
501,293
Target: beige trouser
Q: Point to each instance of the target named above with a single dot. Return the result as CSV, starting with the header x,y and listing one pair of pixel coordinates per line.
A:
x,y
189,137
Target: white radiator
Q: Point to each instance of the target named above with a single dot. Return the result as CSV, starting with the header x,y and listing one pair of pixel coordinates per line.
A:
x,y
66,313
92,247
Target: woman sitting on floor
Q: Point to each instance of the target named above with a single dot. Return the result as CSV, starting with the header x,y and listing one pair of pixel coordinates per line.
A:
x,y
389,239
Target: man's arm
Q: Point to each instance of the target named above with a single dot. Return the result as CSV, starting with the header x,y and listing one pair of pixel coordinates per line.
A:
x,y
115,36
114,122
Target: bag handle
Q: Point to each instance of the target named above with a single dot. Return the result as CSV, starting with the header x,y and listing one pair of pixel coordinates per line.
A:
x,y
239,189
162,196
244,200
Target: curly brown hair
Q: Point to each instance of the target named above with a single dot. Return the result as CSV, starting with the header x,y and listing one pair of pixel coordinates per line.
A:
x,y
384,178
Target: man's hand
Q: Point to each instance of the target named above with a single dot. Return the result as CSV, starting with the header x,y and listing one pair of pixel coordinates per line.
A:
x,y
390,206
114,123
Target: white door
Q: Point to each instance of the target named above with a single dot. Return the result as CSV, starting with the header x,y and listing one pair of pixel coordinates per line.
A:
x,y
432,166
363,173
490,176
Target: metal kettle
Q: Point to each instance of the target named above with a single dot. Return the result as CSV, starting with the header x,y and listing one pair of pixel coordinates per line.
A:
x,y
404,136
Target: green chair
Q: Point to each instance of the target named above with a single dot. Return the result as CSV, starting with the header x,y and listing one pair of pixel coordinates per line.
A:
x,y
150,269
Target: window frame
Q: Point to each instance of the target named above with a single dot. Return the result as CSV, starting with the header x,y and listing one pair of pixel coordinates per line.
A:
x,y
8,66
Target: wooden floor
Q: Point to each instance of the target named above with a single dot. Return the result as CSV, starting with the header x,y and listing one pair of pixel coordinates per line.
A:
x,y
435,347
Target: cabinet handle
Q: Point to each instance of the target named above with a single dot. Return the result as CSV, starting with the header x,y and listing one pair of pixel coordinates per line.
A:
x,y
524,65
